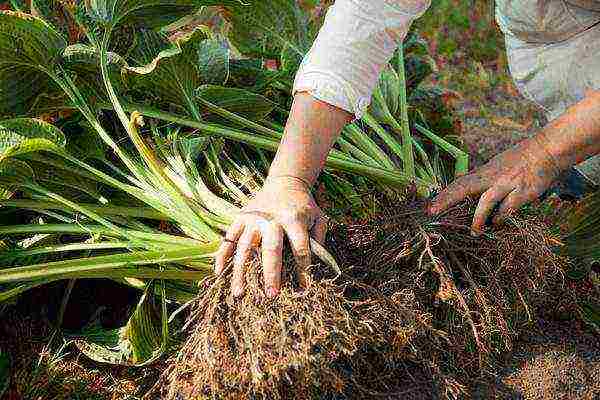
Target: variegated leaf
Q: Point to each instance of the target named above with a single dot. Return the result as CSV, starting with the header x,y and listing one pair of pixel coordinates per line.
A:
x,y
26,135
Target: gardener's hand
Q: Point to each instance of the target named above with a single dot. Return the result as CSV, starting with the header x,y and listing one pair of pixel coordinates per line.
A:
x,y
523,173
283,206
508,181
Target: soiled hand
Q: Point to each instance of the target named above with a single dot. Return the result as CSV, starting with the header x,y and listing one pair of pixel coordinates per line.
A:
x,y
510,180
283,206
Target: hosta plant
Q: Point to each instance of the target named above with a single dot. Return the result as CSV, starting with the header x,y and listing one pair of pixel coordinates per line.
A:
x,y
159,149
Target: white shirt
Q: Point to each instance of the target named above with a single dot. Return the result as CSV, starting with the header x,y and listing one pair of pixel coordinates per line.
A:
x,y
356,42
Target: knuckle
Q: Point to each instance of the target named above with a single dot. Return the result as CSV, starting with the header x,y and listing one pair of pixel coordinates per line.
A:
x,y
296,215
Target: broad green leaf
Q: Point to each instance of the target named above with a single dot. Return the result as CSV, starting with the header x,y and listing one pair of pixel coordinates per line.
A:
x,y
582,240
152,14
87,144
141,341
29,48
56,13
213,61
239,101
26,135
167,71
251,75
84,61
178,78
265,28
65,182
4,372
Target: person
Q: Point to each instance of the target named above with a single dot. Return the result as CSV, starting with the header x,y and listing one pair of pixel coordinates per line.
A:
x,y
553,49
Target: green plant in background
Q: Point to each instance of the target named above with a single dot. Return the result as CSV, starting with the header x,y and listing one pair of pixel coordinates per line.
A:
x,y
145,202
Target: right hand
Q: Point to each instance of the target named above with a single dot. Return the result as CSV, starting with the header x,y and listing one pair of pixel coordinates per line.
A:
x,y
283,206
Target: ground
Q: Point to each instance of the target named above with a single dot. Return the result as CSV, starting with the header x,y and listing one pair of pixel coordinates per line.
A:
x,y
558,360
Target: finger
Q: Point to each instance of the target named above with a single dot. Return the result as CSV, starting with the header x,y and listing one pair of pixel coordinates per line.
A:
x,y
228,245
469,185
300,242
319,229
486,205
512,203
248,240
272,257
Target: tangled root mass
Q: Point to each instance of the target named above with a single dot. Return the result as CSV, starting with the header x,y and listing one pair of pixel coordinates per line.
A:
x,y
416,290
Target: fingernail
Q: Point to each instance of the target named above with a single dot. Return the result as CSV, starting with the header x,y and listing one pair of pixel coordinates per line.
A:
x,y
272,292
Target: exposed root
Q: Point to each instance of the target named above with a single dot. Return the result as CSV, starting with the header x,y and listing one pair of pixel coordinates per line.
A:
x,y
415,290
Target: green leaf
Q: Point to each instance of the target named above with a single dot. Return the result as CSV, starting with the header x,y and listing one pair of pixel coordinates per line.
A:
x,y
591,313
56,13
251,75
167,72
128,264
26,135
87,145
267,27
386,99
238,101
29,49
140,342
582,240
152,14
213,61
84,61
14,173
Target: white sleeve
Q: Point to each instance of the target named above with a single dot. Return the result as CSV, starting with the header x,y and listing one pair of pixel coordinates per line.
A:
x,y
357,40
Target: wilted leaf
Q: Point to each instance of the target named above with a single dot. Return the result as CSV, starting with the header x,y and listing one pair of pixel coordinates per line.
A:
x,y
29,47
140,342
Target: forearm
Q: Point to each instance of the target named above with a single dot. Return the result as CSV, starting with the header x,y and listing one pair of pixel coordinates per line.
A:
x,y
312,129
575,136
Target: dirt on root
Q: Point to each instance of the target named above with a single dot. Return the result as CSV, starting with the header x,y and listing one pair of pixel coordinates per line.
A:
x,y
416,291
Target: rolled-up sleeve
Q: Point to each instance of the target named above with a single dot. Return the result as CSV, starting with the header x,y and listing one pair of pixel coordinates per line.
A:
x,y
357,40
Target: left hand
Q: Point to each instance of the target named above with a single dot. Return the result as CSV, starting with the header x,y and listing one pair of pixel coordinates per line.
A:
x,y
510,180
